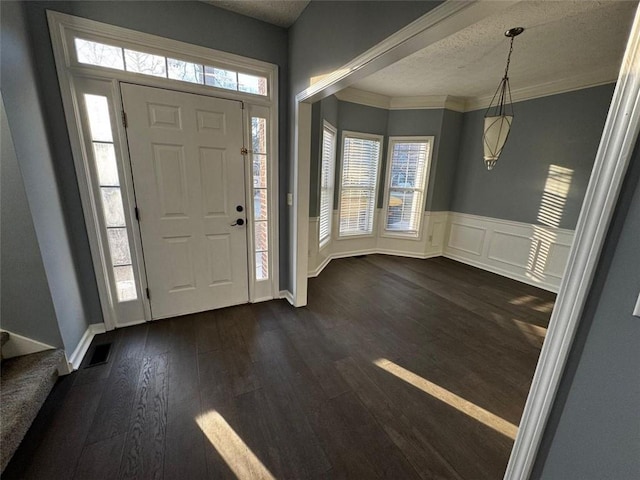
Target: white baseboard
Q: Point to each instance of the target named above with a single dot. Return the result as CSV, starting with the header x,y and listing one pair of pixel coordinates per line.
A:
x,y
19,345
500,271
80,351
288,296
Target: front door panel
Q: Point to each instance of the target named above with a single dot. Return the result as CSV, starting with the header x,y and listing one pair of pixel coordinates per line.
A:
x,y
188,174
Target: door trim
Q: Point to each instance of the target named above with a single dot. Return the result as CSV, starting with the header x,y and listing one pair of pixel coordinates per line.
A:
x,y
62,28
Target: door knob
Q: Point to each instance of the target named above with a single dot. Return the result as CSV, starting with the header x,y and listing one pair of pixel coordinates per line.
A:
x,y
239,208
239,222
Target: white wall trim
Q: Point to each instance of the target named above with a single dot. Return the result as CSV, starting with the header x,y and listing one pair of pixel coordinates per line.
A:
x,y
288,296
78,354
612,159
18,345
363,97
469,104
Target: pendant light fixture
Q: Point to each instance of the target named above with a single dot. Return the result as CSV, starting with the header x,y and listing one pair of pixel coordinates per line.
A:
x,y
498,117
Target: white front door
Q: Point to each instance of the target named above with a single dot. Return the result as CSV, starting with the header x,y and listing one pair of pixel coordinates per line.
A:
x,y
189,181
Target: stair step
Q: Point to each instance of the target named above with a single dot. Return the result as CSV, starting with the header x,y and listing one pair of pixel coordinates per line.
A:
x,y
4,338
24,386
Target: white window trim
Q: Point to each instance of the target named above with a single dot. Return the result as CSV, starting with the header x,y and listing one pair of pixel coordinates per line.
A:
x,y
326,241
387,185
374,227
63,29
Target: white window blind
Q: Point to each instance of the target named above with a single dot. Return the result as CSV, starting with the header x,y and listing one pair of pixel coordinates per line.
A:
x,y
327,175
406,179
360,161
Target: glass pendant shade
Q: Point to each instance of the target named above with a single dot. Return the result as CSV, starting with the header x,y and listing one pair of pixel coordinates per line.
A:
x,y
496,131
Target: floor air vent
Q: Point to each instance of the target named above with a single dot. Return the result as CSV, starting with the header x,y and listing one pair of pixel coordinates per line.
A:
x,y
99,355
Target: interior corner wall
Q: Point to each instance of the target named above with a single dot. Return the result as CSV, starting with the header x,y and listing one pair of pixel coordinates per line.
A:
x,y
561,130
26,307
593,430
26,116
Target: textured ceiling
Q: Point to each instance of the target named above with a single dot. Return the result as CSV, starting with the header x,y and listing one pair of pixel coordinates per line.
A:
x,y
563,39
278,12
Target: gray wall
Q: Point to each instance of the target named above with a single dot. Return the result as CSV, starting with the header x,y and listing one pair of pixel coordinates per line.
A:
x,y
26,113
594,427
562,130
26,307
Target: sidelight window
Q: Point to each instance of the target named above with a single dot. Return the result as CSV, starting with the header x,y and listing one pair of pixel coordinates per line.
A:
x,y
108,180
260,158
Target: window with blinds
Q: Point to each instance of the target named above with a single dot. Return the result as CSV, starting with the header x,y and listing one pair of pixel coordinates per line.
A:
x,y
360,165
327,174
406,181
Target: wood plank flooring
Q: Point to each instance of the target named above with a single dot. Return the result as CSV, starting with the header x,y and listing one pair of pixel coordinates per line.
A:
x,y
398,368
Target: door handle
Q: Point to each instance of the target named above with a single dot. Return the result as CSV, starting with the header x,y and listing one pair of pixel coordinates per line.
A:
x,y
239,222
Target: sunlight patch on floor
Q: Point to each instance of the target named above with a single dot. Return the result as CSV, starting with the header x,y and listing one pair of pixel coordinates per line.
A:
x,y
238,456
471,409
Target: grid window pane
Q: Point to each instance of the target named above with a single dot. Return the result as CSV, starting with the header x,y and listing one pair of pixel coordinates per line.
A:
x,y
262,236
260,204
99,120
404,210
146,63
252,84
259,171
125,283
106,164
94,53
112,207
185,71
262,265
119,246
218,77
259,135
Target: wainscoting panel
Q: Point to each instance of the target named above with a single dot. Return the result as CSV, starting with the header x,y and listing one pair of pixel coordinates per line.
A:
x,y
534,254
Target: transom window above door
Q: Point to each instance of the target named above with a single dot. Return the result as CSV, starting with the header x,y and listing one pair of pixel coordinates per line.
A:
x,y
146,63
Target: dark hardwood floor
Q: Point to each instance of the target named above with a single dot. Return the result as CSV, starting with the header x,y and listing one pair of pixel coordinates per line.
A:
x,y
398,368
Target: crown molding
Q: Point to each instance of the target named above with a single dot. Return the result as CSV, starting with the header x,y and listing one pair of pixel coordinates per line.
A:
x,y
363,97
468,104
426,102
555,87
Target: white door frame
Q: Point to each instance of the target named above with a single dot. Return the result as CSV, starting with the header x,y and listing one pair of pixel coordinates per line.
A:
x,y
616,147
63,29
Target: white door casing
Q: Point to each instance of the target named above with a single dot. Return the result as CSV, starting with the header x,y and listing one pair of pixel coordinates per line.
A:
x,y
189,177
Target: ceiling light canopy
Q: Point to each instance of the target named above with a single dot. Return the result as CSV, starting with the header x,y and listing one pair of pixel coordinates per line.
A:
x,y
499,115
